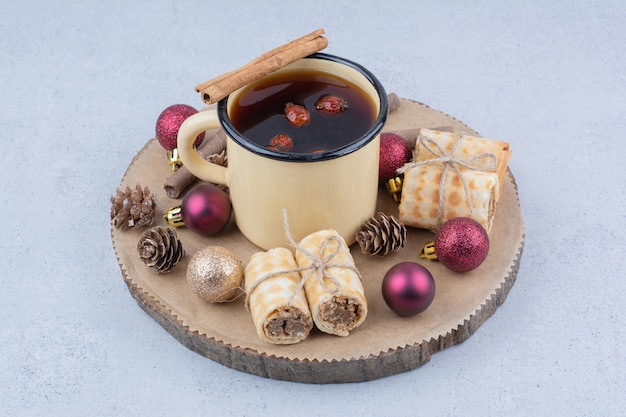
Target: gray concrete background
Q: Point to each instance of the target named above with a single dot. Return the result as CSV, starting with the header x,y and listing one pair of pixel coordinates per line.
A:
x,y
82,84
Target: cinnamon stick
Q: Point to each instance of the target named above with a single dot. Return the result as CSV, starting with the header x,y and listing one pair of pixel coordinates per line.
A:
x,y
180,180
219,87
281,49
394,101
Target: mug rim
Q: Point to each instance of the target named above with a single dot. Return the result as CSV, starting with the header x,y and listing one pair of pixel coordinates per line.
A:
x,y
373,131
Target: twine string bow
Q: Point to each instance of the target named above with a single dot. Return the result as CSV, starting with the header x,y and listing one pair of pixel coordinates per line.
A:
x,y
449,162
319,267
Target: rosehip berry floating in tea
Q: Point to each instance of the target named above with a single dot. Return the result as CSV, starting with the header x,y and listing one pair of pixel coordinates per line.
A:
x,y
408,288
281,142
394,153
297,115
331,104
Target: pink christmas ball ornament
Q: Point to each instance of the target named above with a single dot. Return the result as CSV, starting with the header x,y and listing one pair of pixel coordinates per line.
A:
x,y
408,288
206,210
461,244
168,124
394,153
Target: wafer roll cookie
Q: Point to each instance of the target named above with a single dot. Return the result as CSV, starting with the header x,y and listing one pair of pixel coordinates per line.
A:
x,y
468,147
419,205
336,312
277,321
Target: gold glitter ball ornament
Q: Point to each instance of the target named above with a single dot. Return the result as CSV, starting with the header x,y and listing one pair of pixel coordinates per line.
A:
x,y
215,274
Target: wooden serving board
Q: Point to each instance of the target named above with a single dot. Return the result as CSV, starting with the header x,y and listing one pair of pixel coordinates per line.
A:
x,y
384,345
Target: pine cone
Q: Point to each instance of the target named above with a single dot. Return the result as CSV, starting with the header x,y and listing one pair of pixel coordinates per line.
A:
x,y
133,207
381,235
160,249
219,159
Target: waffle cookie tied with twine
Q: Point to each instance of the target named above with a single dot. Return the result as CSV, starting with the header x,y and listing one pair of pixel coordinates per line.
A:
x,y
319,284
452,175
276,299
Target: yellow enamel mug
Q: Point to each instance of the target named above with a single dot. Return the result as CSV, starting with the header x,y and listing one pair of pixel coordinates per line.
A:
x,y
336,189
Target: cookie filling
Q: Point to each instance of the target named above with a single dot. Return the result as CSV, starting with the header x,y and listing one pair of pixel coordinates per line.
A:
x,y
290,323
342,312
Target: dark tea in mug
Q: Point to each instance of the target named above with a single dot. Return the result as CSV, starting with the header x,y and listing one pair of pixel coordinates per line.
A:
x,y
311,101
303,111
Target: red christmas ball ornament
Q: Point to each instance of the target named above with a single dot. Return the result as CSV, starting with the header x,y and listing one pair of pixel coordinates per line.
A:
x,y
408,288
461,244
394,153
168,124
205,210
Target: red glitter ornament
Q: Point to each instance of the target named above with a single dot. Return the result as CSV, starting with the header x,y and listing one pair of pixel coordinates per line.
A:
x,y
169,122
408,288
394,153
206,210
461,244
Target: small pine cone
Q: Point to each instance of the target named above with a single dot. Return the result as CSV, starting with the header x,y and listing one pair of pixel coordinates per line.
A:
x,y
160,249
381,235
133,207
219,159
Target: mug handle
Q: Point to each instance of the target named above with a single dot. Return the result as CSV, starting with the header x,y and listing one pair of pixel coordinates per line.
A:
x,y
191,159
